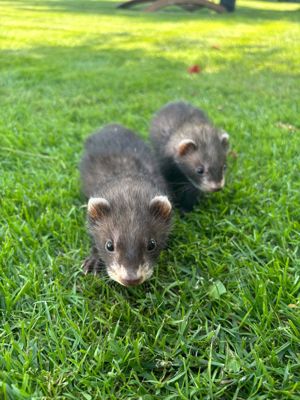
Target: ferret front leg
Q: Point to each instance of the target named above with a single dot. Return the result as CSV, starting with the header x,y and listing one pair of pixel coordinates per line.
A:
x,y
92,263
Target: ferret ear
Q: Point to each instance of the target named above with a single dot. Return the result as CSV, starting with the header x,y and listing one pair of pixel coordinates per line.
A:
x,y
224,136
161,207
98,207
185,146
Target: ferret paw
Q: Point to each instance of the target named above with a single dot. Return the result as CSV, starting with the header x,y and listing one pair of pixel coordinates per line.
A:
x,y
91,265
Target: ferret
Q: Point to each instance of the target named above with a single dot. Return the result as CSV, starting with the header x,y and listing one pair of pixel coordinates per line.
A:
x,y
128,211
191,151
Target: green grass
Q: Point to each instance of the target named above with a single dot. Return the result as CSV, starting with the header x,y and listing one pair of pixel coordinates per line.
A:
x,y
220,318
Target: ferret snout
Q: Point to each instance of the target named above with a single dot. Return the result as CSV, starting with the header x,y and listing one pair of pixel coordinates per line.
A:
x,y
216,188
131,282
127,276
211,186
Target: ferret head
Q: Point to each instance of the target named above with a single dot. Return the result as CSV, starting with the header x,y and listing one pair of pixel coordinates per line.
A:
x,y
129,235
202,159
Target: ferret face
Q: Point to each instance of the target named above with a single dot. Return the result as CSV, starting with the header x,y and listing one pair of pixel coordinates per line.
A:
x,y
129,239
203,162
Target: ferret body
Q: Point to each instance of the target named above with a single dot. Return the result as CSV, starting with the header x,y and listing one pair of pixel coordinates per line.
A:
x,y
191,151
129,213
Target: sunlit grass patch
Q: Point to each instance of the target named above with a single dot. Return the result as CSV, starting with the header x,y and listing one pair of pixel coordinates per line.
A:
x,y
220,317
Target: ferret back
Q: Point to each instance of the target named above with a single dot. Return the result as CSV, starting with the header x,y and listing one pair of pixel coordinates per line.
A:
x,y
114,153
170,118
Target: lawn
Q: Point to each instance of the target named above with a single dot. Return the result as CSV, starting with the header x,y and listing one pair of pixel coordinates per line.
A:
x,y
220,318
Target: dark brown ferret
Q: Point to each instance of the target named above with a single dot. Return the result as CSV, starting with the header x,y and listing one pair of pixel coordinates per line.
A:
x,y
129,213
191,151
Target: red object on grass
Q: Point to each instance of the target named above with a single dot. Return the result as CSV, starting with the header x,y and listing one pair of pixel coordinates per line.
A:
x,y
194,69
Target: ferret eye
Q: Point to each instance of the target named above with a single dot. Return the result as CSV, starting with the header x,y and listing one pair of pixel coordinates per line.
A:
x,y
151,245
109,246
200,170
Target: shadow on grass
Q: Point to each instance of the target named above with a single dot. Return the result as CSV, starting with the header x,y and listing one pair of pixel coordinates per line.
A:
x,y
83,87
106,54
244,14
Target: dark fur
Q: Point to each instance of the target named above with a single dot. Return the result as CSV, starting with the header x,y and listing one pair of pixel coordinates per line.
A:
x,y
179,121
120,167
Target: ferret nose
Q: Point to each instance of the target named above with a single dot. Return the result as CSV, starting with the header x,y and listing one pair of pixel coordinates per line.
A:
x,y
131,282
216,186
